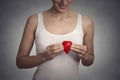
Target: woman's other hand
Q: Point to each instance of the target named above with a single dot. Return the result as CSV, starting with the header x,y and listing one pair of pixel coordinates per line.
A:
x,y
79,49
52,51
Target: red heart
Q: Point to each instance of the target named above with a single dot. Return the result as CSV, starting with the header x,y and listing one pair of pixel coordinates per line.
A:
x,y
67,45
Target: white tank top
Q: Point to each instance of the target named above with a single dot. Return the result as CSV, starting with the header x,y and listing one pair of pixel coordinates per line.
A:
x,y
63,66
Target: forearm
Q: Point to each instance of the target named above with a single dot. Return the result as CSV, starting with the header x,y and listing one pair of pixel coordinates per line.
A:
x,y
29,61
88,60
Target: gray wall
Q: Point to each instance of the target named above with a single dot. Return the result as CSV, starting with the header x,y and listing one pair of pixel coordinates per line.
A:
x,y
105,13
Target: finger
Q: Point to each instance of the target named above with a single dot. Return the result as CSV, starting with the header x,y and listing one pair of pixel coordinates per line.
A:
x,y
56,52
77,46
78,51
59,50
55,46
80,47
58,45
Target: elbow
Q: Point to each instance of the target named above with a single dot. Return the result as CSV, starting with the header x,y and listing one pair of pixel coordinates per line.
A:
x,y
89,63
19,66
19,63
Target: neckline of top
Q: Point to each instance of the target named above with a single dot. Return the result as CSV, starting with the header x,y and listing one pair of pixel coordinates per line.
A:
x,y
41,15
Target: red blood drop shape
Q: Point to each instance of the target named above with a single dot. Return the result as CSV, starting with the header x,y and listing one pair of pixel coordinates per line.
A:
x,y
67,45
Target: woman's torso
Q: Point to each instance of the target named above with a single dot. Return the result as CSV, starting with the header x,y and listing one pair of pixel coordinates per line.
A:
x,y
63,66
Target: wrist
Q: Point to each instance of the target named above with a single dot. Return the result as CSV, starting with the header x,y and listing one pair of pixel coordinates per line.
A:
x,y
87,60
43,58
82,56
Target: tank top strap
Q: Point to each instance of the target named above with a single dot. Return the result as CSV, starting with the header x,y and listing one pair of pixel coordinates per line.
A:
x,y
40,20
79,24
39,24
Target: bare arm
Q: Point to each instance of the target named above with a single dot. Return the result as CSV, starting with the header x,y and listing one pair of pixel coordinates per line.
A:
x,y
23,60
88,27
86,51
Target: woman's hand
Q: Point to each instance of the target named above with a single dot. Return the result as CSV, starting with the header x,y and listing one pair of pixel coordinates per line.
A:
x,y
80,50
52,51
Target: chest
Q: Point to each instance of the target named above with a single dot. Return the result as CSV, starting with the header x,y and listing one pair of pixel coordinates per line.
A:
x,y
62,30
61,27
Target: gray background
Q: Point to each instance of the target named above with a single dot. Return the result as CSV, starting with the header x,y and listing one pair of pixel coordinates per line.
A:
x,y
106,16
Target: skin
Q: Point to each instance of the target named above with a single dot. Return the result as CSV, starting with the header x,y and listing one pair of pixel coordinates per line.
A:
x,y
59,14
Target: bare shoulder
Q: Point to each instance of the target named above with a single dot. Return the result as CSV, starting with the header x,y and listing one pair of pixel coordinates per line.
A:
x,y
32,19
88,23
31,23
